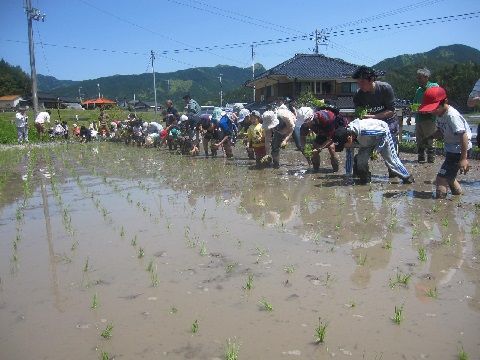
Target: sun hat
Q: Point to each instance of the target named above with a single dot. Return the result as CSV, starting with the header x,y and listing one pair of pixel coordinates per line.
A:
x,y
270,120
183,118
243,114
304,114
217,113
432,98
255,113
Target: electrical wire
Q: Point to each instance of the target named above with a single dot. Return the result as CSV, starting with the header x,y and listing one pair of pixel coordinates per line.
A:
x,y
43,51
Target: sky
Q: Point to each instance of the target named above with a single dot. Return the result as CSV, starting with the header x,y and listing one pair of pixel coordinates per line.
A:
x,y
89,39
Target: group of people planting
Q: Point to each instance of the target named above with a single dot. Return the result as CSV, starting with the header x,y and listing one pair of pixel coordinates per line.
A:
x,y
373,132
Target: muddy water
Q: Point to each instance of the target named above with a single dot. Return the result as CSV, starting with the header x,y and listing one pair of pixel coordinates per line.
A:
x,y
160,240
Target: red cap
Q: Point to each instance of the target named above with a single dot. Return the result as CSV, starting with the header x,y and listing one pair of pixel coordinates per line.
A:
x,y
432,98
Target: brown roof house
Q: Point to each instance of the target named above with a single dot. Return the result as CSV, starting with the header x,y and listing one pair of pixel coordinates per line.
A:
x,y
327,78
9,101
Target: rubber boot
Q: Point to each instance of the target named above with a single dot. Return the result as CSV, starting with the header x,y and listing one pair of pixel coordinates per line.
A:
x,y
276,161
315,161
365,177
335,163
421,155
430,156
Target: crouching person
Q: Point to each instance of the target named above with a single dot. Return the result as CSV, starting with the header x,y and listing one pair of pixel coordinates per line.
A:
x,y
322,124
256,137
278,130
369,135
457,139
225,134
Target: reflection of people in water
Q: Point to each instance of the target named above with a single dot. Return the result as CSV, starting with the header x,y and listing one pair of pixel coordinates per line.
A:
x,y
444,256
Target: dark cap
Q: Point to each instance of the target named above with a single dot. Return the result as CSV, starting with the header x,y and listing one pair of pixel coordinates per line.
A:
x,y
364,72
340,138
186,96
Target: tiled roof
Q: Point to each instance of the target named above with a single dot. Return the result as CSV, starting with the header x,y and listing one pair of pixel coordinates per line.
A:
x,y
9,97
311,66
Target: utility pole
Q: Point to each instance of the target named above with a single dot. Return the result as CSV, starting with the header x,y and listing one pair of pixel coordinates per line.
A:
x,y
221,90
316,41
33,14
80,94
253,71
98,86
152,56
321,38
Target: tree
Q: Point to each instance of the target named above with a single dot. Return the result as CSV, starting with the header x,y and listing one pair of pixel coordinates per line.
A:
x,y
13,80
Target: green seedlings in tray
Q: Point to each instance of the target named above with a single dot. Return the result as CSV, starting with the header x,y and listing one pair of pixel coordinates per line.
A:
x,y
141,253
249,283
266,305
94,301
422,254
320,331
231,350
400,279
398,315
432,293
289,269
194,327
107,333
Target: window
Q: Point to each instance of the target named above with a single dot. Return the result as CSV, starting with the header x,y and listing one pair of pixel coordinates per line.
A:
x,y
349,87
326,87
318,87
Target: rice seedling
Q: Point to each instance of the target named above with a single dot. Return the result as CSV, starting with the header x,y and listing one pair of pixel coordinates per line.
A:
x,y
173,310
387,245
150,266
475,230
400,279
445,222
230,267
86,266
107,333
203,215
266,305
194,327
104,355
94,301
398,315
203,249
422,254
447,240
74,245
320,331
435,208
141,253
134,241
362,260
432,293
231,349
289,269
154,279
249,283
462,355
122,232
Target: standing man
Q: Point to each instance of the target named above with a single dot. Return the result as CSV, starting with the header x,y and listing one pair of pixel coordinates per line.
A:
x,y
172,113
40,120
21,122
192,110
376,99
425,125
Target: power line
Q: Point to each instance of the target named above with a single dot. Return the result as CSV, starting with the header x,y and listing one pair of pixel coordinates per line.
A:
x,y
43,51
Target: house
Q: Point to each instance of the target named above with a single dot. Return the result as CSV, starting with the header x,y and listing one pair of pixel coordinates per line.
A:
x,y
9,101
327,78
134,105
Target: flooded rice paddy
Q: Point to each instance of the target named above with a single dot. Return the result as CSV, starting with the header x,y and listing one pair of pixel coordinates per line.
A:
x,y
118,252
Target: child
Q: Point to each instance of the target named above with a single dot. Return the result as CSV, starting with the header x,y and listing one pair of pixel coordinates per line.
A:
x,y
456,134
371,134
256,137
